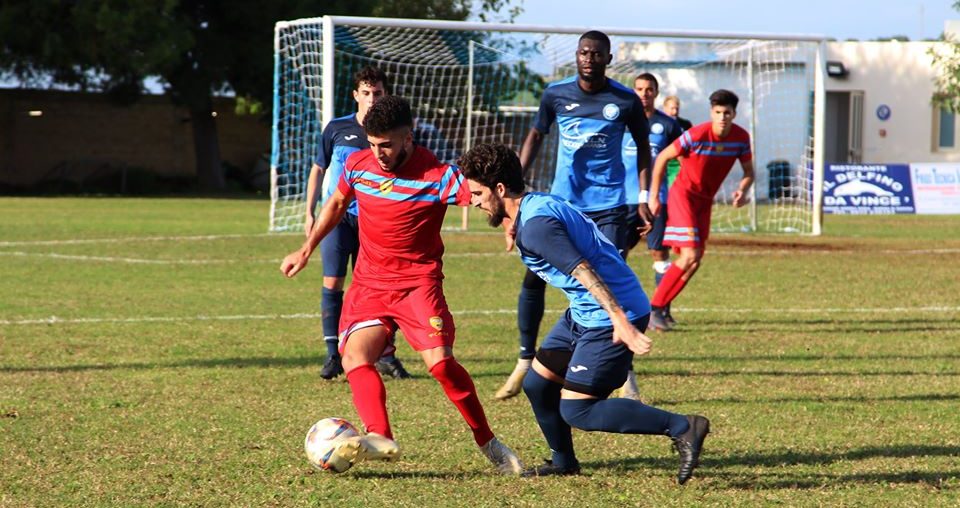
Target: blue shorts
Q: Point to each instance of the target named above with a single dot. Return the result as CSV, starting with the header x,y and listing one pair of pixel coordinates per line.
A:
x,y
655,236
597,366
612,224
339,246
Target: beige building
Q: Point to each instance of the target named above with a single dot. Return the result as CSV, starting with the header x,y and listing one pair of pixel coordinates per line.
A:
x,y
878,105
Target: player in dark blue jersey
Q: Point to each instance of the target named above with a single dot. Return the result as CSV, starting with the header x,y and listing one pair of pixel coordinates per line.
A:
x,y
664,129
341,137
593,114
588,352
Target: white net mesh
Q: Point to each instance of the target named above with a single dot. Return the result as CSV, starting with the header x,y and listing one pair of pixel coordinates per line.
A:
x,y
470,87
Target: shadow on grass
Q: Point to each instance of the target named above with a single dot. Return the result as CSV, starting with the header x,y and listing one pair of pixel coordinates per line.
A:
x,y
925,397
713,467
418,475
741,323
804,358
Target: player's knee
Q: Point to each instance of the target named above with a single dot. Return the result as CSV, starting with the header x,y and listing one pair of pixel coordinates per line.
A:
x,y
578,413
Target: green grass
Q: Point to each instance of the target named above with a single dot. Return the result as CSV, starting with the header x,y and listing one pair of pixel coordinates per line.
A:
x,y
828,366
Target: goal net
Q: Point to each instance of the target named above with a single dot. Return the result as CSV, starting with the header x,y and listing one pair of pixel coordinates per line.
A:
x,y
473,83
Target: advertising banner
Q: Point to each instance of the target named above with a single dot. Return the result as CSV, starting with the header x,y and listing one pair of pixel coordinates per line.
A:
x,y
936,187
868,189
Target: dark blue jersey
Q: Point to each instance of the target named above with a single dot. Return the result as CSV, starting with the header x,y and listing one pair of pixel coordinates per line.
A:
x,y
663,130
590,172
553,238
341,137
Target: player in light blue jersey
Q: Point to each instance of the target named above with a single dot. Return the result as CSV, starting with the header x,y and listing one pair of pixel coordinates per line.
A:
x,y
588,352
593,114
664,129
340,138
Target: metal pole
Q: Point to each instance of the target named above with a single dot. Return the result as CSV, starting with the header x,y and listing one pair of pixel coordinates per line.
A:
x,y
753,135
468,137
327,72
819,133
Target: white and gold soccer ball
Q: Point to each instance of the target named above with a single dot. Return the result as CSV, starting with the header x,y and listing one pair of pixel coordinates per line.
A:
x,y
322,440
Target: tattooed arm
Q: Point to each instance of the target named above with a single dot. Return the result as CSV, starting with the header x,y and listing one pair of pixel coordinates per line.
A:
x,y
623,330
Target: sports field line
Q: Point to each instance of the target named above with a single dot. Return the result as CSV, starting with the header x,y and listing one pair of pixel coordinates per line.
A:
x,y
144,261
54,320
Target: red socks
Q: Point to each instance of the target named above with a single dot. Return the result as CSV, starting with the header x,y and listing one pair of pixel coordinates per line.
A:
x,y
458,386
370,399
670,286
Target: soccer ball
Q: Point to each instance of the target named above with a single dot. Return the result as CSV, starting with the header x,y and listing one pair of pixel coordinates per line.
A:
x,y
322,440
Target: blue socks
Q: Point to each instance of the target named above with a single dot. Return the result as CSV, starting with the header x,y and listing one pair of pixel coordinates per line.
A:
x,y
331,303
622,416
530,307
544,397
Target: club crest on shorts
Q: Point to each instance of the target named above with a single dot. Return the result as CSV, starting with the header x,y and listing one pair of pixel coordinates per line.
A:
x,y
437,323
386,186
611,111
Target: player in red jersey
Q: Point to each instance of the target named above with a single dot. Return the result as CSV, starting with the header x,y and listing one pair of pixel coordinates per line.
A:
x,y
402,191
709,151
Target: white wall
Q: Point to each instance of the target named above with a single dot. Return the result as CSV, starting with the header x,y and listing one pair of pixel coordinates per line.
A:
x,y
900,75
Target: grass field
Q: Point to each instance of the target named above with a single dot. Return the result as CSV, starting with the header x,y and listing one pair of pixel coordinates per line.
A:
x,y
152,354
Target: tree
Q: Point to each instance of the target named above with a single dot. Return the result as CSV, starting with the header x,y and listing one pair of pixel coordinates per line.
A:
x,y
198,48
946,59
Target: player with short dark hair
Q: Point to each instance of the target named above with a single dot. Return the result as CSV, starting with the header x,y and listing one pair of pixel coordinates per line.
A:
x,y
340,138
402,192
709,151
663,131
593,113
588,352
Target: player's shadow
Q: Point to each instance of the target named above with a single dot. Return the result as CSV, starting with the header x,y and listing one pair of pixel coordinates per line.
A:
x,y
419,475
715,466
806,357
792,373
714,326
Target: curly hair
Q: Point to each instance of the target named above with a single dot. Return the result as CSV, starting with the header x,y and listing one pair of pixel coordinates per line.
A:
x,y
491,164
389,113
370,75
724,98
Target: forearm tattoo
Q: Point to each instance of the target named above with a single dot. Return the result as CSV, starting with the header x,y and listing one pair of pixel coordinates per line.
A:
x,y
595,285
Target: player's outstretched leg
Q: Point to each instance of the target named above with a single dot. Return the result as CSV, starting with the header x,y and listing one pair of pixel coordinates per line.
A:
x,y
625,416
530,307
544,398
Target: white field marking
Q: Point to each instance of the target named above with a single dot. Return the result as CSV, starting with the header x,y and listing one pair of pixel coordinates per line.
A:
x,y
142,261
52,320
735,252
127,239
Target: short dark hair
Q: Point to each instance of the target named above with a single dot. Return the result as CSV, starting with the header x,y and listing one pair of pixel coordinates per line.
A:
x,y
491,164
371,75
389,113
646,76
724,98
596,35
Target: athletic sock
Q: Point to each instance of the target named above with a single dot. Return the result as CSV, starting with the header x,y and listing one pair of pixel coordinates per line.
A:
x,y
370,399
331,303
622,416
669,287
458,386
659,269
544,398
530,306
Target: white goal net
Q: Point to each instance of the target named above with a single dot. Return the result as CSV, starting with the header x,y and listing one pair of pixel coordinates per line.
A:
x,y
472,83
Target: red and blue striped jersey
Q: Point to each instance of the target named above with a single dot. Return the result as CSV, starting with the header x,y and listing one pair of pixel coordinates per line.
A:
x,y
401,214
708,159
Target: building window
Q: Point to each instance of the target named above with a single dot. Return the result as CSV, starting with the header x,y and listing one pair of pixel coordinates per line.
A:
x,y
947,130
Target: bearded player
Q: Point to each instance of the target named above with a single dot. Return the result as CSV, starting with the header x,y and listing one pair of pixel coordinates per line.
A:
x,y
402,192
709,151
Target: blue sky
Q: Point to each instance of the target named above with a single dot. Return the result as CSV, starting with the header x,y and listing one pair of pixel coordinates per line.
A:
x,y
840,19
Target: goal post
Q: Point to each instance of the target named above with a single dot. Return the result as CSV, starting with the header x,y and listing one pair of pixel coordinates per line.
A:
x,y
473,83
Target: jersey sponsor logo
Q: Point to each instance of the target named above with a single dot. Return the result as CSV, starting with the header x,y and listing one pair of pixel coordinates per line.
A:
x,y
657,128
611,111
545,275
368,183
570,107
571,137
350,137
386,186
630,146
578,368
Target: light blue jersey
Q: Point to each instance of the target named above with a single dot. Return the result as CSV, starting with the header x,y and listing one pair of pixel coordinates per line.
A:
x,y
663,130
553,238
341,137
590,172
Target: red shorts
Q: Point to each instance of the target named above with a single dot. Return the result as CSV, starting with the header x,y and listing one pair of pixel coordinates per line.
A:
x,y
421,313
688,223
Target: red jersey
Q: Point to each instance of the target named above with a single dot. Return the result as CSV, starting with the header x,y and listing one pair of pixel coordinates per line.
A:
x,y
400,217
707,159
